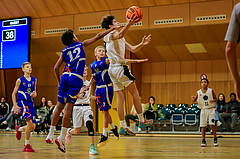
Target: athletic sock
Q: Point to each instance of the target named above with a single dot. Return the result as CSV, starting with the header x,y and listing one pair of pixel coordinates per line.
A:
x,y
123,124
20,129
51,131
27,142
112,126
105,131
140,117
63,133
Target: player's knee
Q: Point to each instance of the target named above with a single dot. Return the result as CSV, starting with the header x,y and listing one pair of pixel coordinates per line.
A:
x,y
89,125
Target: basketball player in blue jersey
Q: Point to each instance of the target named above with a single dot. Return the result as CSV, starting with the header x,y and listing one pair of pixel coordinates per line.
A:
x,y
25,89
104,92
71,81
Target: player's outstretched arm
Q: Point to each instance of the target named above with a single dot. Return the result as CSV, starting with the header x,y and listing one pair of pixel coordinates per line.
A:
x,y
14,94
135,60
119,35
145,40
231,58
56,68
100,35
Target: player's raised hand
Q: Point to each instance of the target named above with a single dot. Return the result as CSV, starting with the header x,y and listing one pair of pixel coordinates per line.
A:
x,y
146,39
142,60
132,20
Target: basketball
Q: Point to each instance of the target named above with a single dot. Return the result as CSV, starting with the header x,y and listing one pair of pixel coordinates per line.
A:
x,y
136,11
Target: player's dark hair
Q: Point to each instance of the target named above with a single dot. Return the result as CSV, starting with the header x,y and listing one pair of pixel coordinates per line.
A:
x,y
106,21
205,80
67,37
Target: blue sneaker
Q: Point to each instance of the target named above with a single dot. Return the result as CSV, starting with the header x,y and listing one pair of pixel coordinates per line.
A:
x,y
126,131
93,151
145,123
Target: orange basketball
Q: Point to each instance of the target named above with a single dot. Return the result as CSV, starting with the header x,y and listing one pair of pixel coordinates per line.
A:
x,y
136,11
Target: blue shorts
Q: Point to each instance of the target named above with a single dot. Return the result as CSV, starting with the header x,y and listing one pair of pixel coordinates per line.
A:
x,y
104,98
27,110
70,86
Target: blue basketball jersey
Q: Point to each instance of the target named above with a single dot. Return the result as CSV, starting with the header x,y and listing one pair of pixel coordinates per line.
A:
x,y
100,72
74,57
26,88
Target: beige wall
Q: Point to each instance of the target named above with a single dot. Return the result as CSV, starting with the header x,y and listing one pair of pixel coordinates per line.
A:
x,y
175,82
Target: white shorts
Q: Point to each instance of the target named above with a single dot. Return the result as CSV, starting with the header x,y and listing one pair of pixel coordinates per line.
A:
x,y
81,112
207,115
120,76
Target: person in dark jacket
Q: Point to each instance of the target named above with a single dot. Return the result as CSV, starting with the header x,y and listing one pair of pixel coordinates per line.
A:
x,y
232,110
220,107
4,110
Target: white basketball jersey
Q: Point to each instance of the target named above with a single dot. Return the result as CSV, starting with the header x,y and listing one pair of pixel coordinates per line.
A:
x,y
204,99
84,98
115,49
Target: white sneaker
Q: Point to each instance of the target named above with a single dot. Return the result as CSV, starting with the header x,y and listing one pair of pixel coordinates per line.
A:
x,y
219,123
139,129
4,122
8,129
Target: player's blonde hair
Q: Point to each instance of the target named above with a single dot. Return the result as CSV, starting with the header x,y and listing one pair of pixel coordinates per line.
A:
x,y
98,48
25,63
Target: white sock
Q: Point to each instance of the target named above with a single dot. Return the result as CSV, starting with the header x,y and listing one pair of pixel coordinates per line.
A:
x,y
123,124
105,131
63,133
140,117
20,129
27,142
112,126
51,131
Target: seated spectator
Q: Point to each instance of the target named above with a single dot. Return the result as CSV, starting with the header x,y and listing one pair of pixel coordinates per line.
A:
x,y
219,108
11,117
4,110
151,109
43,103
42,115
133,115
232,110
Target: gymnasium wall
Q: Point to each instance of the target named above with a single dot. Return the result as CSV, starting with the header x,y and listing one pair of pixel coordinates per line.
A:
x,y
176,82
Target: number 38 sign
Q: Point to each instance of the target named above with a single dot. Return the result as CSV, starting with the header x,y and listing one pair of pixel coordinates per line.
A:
x,y
8,35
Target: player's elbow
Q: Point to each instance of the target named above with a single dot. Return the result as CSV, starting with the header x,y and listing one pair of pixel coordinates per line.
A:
x,y
230,49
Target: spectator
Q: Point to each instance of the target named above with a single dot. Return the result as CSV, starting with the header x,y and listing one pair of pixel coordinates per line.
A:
x,y
232,110
151,109
11,117
42,115
43,103
219,108
133,115
4,110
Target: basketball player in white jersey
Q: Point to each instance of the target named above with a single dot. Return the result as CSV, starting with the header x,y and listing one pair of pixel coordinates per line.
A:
x,y
206,99
83,111
119,73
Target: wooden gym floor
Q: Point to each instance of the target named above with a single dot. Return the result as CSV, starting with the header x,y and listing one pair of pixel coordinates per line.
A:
x,y
127,147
